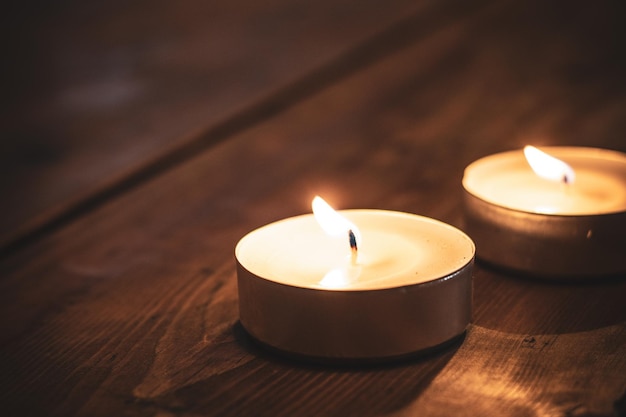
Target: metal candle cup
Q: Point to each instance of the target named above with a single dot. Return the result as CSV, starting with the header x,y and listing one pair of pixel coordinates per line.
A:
x,y
523,222
409,290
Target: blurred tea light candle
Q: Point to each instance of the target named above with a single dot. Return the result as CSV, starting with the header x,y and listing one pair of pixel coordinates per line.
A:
x,y
558,212
354,284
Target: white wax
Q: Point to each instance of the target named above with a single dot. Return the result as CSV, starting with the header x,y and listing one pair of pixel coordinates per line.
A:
x,y
397,249
506,180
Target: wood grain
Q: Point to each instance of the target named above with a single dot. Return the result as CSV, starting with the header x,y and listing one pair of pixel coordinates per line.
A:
x,y
132,308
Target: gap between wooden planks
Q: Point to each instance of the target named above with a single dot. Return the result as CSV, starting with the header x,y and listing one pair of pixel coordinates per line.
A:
x,y
400,35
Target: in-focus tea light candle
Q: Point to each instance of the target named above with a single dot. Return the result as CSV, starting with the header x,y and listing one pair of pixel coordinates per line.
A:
x,y
559,212
355,284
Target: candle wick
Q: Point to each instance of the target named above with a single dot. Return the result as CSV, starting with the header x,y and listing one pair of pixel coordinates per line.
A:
x,y
566,184
565,179
353,245
352,239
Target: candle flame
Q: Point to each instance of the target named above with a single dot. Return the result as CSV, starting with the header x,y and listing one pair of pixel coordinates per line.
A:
x,y
548,167
334,223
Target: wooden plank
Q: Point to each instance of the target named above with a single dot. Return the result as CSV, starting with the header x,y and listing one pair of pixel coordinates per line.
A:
x,y
132,309
93,91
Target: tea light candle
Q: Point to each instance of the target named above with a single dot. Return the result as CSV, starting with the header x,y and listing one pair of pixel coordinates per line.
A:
x,y
559,212
389,284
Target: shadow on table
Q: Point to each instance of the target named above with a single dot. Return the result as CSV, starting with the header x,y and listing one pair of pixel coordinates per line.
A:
x,y
519,304
276,385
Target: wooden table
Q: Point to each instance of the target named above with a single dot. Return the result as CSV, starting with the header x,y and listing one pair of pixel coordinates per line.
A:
x,y
141,140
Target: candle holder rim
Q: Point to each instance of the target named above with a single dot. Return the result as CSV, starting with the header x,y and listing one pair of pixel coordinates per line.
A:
x,y
580,216
615,155
356,291
449,274
393,213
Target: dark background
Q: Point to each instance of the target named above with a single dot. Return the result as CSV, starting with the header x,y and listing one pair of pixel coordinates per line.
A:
x,y
140,140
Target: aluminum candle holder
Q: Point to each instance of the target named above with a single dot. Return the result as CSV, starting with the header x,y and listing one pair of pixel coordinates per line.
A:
x,y
411,291
558,231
